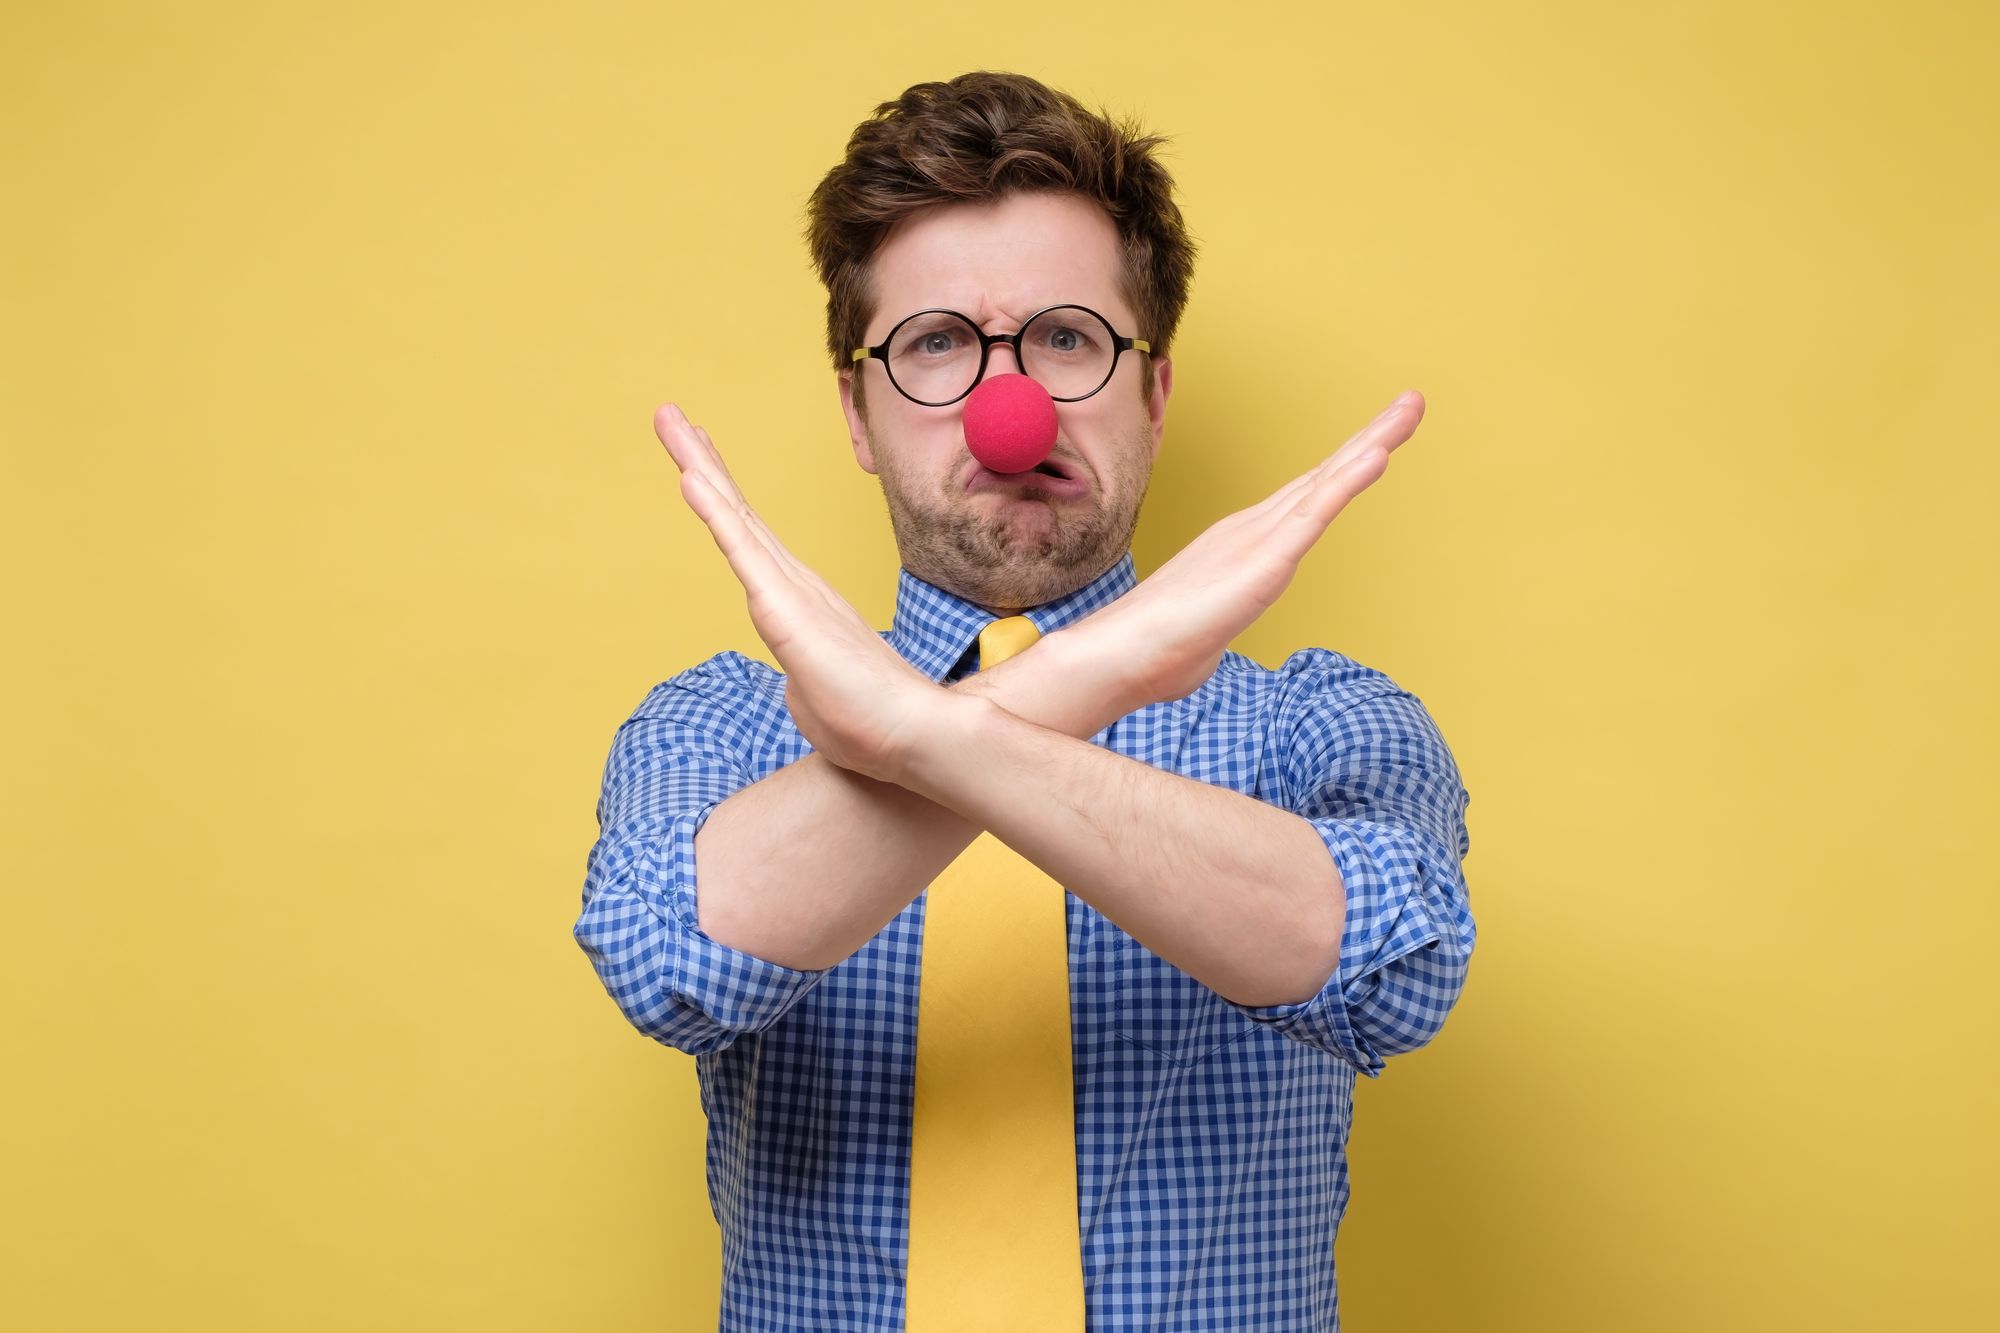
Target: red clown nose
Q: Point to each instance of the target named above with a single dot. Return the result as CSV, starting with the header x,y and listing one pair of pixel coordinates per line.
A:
x,y
1010,423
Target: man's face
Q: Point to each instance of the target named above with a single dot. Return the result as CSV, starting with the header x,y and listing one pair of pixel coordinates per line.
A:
x,y
1007,545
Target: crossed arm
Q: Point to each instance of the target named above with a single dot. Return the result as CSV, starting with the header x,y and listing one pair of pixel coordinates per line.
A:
x,y
805,866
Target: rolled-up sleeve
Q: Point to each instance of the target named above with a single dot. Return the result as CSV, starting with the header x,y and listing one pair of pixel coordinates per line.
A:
x,y
676,759
1378,783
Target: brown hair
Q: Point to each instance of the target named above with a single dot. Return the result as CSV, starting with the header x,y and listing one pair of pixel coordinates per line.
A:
x,y
974,139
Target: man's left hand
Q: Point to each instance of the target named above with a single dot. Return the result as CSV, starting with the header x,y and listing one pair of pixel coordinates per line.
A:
x,y
852,695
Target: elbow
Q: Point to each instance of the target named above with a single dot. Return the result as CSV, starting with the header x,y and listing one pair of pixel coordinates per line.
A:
x,y
1302,966
1309,956
1409,1003
677,987
1308,969
635,968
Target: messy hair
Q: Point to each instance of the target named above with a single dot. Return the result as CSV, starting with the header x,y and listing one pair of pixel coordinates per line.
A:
x,y
975,139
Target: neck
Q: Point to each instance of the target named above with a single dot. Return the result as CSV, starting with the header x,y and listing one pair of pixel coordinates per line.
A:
x,y
977,595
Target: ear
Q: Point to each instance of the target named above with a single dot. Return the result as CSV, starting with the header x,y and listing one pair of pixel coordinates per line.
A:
x,y
1162,370
857,425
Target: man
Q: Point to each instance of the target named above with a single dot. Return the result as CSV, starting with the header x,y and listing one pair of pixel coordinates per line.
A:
x,y
1262,867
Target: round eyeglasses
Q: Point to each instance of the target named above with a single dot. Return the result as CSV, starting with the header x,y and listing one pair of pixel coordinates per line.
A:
x,y
936,357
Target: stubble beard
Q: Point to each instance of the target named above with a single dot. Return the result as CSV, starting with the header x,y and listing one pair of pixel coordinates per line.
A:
x,y
987,552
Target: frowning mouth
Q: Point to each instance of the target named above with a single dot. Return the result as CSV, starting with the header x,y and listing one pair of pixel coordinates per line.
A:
x,y
1054,476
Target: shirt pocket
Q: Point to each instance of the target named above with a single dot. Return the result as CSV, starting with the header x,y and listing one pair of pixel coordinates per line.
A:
x,y
1168,1012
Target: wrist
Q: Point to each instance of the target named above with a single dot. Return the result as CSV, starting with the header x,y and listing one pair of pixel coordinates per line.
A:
x,y
1086,665
951,728
1053,684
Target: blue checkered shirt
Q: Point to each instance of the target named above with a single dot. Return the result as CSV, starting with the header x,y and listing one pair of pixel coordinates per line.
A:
x,y
1211,1136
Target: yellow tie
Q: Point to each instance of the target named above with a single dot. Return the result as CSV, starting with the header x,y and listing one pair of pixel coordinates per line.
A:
x,y
993,1217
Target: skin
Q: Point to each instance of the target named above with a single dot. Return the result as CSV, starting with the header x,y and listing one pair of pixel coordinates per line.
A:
x,y
1006,550
805,866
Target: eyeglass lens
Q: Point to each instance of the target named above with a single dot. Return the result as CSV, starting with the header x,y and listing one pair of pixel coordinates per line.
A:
x,y
934,357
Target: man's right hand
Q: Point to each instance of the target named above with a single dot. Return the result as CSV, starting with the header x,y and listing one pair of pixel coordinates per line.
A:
x,y
1161,640
805,866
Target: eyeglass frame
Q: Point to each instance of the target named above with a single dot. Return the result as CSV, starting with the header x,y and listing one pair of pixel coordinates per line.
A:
x,y
1120,344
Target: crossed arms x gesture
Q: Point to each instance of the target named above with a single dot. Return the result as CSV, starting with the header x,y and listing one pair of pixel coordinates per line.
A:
x,y
804,867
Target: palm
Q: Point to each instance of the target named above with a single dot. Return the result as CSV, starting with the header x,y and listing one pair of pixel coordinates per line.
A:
x,y
850,694
1180,620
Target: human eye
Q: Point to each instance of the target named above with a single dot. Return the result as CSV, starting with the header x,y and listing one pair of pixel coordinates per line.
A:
x,y
936,338
1066,339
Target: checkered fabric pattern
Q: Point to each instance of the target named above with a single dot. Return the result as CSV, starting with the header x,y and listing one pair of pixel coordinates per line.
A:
x,y
1211,1136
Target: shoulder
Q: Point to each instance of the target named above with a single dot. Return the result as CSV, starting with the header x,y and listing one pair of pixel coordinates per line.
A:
x,y
1310,682
1324,708
728,693
727,675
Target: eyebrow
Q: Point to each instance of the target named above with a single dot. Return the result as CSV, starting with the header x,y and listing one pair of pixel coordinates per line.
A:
x,y
996,314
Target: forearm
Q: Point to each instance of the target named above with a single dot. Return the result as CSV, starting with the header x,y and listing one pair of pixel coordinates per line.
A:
x,y
805,866
1238,893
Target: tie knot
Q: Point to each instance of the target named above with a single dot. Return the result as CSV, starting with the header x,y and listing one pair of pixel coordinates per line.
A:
x,y
1004,638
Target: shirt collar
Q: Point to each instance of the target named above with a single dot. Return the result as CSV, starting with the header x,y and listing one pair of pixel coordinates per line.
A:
x,y
934,629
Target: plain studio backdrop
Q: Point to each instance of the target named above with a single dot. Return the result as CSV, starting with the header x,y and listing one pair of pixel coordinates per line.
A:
x,y
338,544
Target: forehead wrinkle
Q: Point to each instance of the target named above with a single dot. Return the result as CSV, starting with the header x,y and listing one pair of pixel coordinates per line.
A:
x,y
985,312
989,312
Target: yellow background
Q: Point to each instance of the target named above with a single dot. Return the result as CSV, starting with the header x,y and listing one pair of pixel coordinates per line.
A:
x,y
338,543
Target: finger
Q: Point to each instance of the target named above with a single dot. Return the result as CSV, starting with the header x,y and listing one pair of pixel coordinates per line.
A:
x,y
1323,499
708,487
729,487
794,567
760,561
693,451
755,567
1320,501
719,475
1391,427
752,520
